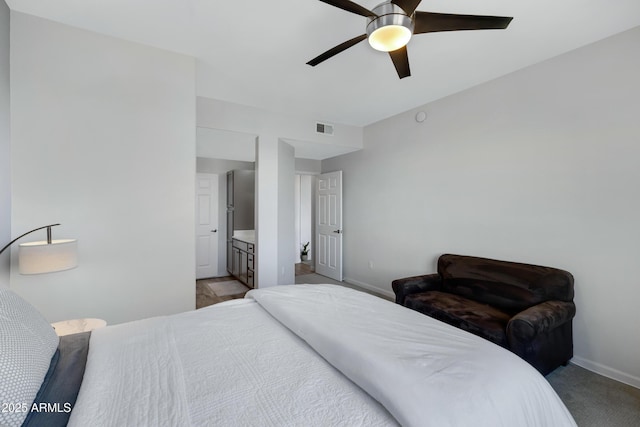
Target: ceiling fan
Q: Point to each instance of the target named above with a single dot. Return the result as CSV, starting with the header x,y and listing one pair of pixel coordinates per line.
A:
x,y
391,24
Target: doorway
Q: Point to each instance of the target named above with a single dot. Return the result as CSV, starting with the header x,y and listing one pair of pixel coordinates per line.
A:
x,y
304,220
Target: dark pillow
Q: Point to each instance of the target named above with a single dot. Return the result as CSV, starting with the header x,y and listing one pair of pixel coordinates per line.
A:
x,y
54,402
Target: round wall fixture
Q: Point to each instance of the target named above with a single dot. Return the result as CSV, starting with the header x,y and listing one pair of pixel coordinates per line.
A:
x,y
421,116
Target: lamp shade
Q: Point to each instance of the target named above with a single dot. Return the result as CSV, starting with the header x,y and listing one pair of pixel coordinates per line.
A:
x,y
45,257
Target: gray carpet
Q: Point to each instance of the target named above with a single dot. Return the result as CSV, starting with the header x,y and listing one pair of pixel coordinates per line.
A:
x,y
315,279
594,400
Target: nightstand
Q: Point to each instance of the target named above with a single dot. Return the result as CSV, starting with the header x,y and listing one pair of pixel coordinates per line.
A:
x,y
75,326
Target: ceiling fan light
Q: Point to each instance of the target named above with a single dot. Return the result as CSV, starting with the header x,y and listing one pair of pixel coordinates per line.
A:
x,y
390,29
390,38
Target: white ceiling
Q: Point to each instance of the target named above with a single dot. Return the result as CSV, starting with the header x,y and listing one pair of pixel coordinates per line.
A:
x,y
255,52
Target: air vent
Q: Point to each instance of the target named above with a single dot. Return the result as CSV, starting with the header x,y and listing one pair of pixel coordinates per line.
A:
x,y
324,128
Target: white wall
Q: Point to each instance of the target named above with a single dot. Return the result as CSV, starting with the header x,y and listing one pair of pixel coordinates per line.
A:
x,y
5,142
286,214
308,166
221,144
540,166
103,141
296,218
275,228
266,217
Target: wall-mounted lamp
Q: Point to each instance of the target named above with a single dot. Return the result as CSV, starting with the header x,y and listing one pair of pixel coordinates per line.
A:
x,y
46,256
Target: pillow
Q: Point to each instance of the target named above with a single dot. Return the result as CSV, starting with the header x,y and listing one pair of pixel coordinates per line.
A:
x,y
27,343
62,383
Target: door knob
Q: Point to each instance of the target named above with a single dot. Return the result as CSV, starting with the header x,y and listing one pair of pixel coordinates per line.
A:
x,y
214,231
337,231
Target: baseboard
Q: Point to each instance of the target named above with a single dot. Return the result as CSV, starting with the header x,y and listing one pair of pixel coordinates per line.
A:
x,y
606,371
369,287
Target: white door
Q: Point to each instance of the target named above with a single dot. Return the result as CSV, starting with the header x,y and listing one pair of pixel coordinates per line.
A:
x,y
329,225
207,226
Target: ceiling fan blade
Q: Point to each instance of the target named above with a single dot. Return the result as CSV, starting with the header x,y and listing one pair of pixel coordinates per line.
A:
x,y
336,50
409,6
400,60
428,22
350,6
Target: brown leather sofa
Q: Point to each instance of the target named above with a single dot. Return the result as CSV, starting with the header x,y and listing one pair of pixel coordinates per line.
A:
x,y
525,308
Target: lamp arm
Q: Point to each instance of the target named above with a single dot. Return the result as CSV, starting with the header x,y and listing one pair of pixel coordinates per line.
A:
x,y
48,227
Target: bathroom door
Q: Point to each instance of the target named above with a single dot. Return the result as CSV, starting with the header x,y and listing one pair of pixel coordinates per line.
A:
x,y
207,226
329,225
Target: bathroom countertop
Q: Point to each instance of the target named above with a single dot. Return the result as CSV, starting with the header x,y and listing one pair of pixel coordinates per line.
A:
x,y
248,236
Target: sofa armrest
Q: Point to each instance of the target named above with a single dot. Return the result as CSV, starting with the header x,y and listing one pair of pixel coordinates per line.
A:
x,y
539,319
415,284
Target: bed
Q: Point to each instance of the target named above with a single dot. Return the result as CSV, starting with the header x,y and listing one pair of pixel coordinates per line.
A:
x,y
282,356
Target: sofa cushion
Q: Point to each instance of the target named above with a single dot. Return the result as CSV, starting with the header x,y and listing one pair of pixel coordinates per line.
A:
x,y
509,286
479,319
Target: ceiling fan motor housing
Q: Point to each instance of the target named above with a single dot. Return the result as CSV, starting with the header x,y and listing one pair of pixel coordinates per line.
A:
x,y
392,20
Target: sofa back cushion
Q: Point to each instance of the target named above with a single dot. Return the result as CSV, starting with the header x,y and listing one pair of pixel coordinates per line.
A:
x,y
509,286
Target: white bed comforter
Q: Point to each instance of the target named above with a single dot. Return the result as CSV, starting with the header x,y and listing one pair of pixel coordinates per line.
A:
x,y
425,372
238,363
230,364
